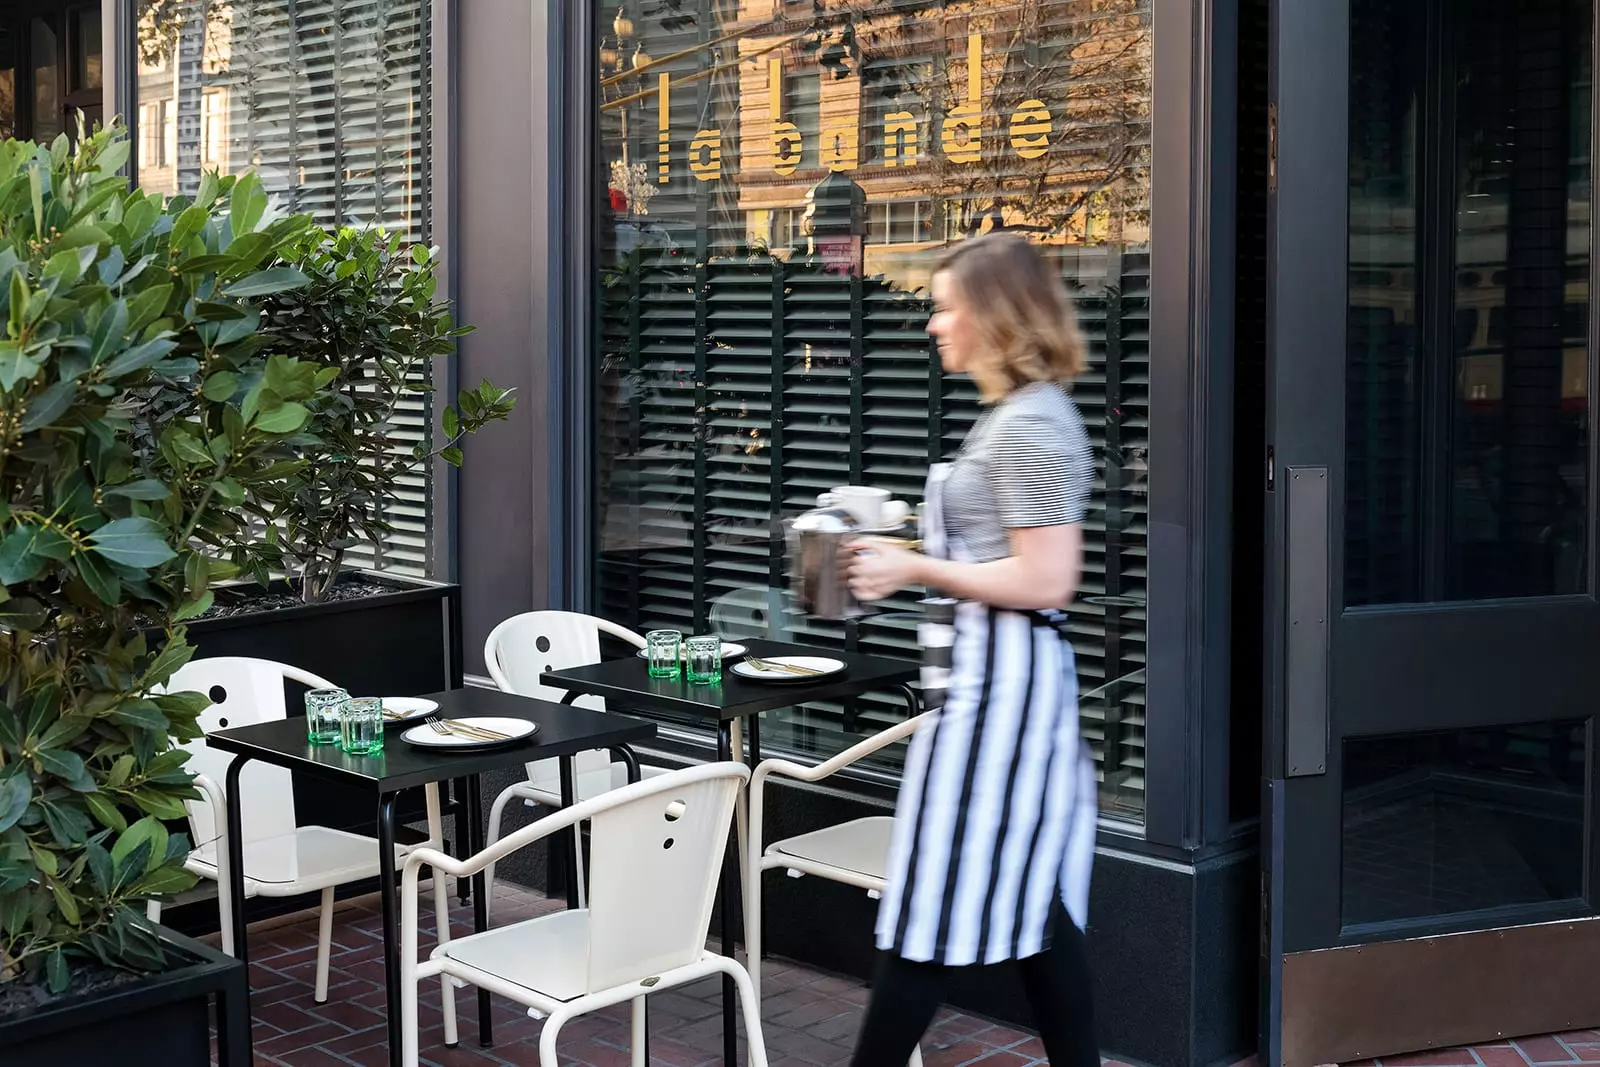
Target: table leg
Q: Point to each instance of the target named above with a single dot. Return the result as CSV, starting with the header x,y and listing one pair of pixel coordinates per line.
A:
x,y
235,835
569,846
730,877
233,1022
480,898
389,892
458,811
629,760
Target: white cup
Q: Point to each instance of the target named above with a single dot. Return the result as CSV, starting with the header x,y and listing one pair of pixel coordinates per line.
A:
x,y
872,508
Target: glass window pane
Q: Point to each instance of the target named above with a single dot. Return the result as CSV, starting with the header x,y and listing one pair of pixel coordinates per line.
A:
x,y
45,62
1441,823
1466,390
326,100
86,50
8,82
746,366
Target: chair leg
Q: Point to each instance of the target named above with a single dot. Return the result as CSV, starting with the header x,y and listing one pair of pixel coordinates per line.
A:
x,y
916,1057
755,1043
497,811
447,988
324,945
548,1035
640,1040
225,911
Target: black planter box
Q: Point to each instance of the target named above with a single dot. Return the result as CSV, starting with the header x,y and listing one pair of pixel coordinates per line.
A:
x,y
162,1020
400,643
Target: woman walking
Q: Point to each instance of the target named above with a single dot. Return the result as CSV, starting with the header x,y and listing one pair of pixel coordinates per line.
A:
x,y
994,828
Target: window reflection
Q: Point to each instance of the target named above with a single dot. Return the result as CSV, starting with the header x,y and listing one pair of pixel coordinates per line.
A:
x,y
1467,397
779,181
325,100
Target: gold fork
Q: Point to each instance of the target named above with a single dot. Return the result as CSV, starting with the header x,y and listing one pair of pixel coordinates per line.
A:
x,y
790,668
461,729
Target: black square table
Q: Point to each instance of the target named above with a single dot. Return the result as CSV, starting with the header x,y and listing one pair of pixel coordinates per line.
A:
x,y
627,684
563,732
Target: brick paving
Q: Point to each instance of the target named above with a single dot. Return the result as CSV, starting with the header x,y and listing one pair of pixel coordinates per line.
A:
x,y
810,1018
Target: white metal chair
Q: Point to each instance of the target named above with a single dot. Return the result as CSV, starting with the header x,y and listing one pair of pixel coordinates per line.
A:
x,y
752,612
657,852
854,853
280,858
517,651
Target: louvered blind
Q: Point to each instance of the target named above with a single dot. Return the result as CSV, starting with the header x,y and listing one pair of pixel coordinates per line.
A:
x,y
327,101
748,364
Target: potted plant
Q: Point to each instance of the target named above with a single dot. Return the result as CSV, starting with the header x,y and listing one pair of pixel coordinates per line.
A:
x,y
110,518
370,321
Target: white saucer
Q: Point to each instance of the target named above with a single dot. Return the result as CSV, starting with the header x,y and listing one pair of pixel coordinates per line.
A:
x,y
405,709
827,667
425,736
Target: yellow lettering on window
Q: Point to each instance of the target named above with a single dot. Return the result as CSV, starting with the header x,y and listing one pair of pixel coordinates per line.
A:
x,y
705,155
963,126
1030,129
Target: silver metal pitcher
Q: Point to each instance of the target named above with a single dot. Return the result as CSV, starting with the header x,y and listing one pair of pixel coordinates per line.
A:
x,y
817,562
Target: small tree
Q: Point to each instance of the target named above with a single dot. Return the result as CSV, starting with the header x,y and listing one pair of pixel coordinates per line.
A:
x,y
107,506
370,321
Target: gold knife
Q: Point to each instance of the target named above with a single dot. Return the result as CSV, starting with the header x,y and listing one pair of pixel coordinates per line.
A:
x,y
477,733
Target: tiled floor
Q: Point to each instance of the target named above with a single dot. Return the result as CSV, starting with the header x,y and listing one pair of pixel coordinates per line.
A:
x,y
1566,1050
810,1018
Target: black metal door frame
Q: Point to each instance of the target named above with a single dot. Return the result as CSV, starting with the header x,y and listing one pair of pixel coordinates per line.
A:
x,y
1335,672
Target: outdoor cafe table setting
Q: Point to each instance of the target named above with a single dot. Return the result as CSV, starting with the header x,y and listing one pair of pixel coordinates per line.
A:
x,y
728,683
440,737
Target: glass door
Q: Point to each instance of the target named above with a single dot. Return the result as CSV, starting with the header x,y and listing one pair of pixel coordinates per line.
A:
x,y
1435,631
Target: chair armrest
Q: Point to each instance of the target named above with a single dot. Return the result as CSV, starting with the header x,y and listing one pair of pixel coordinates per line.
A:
x,y
557,821
853,754
218,801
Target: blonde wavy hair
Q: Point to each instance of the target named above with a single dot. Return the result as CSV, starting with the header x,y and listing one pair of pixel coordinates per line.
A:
x,y
1022,314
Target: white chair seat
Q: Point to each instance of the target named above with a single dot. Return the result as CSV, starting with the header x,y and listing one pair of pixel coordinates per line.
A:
x,y
311,858
855,851
590,784
547,956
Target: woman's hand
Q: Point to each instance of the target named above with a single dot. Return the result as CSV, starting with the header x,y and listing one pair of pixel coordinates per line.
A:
x,y
878,570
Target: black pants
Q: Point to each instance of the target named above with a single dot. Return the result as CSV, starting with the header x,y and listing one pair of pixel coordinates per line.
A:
x,y
905,995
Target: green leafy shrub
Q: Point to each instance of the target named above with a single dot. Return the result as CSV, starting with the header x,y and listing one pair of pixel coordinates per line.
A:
x,y
369,318
113,508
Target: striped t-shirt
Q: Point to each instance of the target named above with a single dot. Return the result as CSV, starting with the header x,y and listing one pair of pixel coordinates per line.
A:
x,y
1027,462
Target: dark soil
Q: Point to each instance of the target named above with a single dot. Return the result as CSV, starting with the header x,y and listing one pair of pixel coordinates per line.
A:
x,y
20,998
250,600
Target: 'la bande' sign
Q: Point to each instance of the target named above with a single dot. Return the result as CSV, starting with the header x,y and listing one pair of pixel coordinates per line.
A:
x,y
960,134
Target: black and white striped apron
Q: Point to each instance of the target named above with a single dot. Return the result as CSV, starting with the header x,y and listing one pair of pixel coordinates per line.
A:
x,y
997,808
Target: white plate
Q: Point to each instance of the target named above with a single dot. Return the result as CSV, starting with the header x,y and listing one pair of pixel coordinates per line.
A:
x,y
426,736
827,668
730,650
404,709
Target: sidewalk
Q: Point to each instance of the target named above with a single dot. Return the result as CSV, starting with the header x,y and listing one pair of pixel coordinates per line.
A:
x,y
810,1018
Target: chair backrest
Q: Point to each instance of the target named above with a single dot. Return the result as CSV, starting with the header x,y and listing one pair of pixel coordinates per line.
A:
x,y
243,692
656,860
754,612
524,646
